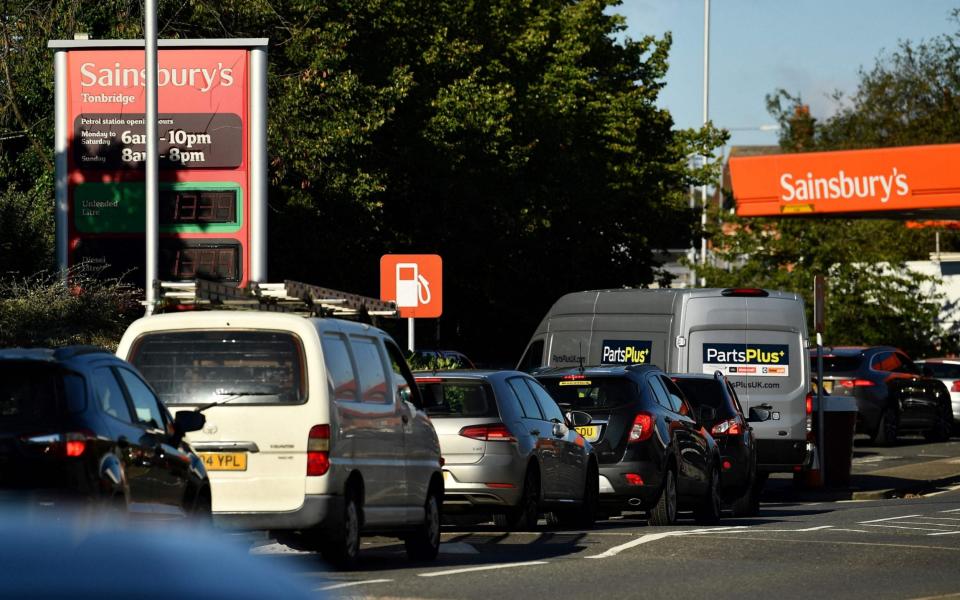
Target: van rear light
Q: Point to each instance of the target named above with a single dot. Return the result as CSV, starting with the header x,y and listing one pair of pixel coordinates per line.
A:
x,y
642,428
745,293
855,383
809,404
495,432
956,386
318,450
728,427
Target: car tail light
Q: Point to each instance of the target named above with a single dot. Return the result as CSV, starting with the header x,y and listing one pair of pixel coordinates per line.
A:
x,y
809,404
500,486
855,383
429,379
956,386
728,427
642,428
496,432
633,478
71,444
318,450
727,464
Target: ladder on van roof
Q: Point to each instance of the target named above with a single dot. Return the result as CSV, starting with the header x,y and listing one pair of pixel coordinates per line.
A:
x,y
288,297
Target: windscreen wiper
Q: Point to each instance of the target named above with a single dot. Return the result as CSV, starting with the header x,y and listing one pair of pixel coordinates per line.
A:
x,y
231,396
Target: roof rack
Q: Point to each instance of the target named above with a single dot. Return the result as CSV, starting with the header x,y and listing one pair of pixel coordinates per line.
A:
x,y
288,297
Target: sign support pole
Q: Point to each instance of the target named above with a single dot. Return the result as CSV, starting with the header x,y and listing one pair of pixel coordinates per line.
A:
x,y
819,322
410,334
152,225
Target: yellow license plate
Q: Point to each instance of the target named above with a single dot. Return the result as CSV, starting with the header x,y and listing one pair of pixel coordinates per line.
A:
x,y
224,461
591,432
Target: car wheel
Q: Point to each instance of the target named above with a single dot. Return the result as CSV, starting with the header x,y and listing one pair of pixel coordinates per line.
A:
x,y
424,543
523,517
343,548
886,434
585,515
665,510
707,511
942,427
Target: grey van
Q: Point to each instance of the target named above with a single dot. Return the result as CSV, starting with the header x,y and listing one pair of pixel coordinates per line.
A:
x,y
757,338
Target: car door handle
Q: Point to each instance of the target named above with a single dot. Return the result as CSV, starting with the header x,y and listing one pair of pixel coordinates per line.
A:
x,y
668,419
534,432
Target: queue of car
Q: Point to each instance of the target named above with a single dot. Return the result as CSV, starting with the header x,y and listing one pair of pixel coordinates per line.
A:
x,y
317,431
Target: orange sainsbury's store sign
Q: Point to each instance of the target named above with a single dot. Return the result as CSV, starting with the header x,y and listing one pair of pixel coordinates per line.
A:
x,y
905,180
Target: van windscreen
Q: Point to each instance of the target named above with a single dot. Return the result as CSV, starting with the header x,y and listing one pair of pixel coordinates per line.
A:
x,y
242,367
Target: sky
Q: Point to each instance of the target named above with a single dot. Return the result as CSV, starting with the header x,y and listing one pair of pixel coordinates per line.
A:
x,y
810,47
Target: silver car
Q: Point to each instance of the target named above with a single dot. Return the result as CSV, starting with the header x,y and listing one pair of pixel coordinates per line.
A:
x,y
946,370
509,450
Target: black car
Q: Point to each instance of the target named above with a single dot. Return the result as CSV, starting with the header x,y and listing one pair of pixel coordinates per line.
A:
x,y
79,426
717,402
654,453
893,394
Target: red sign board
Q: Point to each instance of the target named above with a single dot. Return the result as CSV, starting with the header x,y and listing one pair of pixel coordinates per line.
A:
x,y
906,179
414,282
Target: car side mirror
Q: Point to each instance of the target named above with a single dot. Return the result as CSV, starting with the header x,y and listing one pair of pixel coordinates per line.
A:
x,y
577,418
758,415
706,414
186,421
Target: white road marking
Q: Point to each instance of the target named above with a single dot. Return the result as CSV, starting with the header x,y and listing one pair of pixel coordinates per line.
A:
x,y
951,510
902,527
889,519
650,537
946,533
834,542
482,568
853,530
947,490
338,586
873,459
933,524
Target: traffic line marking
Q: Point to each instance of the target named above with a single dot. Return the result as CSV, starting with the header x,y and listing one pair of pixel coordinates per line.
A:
x,y
902,527
650,537
338,586
853,530
946,533
482,568
952,510
889,519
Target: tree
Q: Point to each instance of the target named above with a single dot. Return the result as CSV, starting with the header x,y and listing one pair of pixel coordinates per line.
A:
x,y
907,98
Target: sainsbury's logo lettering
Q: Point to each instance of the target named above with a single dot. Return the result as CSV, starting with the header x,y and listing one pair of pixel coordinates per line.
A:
x,y
126,77
843,187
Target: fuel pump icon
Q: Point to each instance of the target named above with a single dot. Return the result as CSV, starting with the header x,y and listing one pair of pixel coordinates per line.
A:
x,y
413,289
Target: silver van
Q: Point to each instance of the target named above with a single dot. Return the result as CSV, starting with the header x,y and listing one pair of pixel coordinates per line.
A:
x,y
757,338
314,429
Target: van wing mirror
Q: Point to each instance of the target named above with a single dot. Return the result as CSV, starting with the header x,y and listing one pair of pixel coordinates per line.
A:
x,y
758,415
186,421
577,418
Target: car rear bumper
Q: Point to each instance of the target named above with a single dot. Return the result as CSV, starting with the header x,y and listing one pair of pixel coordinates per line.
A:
x,y
484,484
614,489
316,512
781,456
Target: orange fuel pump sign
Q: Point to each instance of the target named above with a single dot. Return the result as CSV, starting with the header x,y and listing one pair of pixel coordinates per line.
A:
x,y
906,179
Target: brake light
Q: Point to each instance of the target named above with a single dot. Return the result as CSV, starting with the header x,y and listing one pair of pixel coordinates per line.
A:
x,y
728,427
71,444
496,432
76,447
809,404
956,386
855,383
642,428
745,292
633,478
318,450
574,377
429,379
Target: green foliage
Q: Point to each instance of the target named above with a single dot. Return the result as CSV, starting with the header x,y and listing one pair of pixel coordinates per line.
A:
x,y
420,362
907,98
40,311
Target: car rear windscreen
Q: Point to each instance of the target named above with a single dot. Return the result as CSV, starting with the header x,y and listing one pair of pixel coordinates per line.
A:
x,y
30,394
705,392
458,399
943,370
241,367
591,393
836,364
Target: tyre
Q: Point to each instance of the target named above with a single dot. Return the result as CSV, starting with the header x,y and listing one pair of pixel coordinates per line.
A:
x,y
523,517
942,427
707,511
886,434
342,548
424,542
665,510
585,515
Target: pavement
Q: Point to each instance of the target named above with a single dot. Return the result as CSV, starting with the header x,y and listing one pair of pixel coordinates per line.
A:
x,y
910,467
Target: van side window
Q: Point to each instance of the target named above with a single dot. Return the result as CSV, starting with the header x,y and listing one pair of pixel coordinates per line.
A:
x,y
341,376
533,357
373,377
527,402
403,381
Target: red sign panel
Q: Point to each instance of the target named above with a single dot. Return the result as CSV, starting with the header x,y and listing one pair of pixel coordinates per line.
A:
x,y
414,282
907,179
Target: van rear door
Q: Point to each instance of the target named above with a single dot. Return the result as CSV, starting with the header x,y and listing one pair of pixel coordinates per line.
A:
x,y
254,444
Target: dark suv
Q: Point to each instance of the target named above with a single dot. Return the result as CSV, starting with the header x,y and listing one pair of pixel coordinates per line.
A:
x,y
79,426
893,395
653,452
